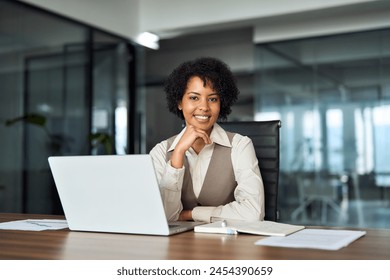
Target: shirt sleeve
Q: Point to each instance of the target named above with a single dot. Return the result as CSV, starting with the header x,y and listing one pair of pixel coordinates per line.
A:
x,y
170,181
249,193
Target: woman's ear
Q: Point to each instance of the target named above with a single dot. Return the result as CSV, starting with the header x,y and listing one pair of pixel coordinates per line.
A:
x,y
179,106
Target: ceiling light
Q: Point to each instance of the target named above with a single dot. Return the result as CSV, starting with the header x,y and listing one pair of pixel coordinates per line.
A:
x,y
148,40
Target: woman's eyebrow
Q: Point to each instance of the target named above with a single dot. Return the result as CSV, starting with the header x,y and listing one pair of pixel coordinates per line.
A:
x,y
197,93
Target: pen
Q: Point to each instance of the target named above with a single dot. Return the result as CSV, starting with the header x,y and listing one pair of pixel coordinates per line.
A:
x,y
228,230
231,231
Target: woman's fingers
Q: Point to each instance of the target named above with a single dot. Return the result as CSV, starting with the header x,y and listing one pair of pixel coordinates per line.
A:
x,y
187,140
197,133
190,136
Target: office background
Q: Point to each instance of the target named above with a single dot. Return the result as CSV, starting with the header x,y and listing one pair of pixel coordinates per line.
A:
x,y
75,79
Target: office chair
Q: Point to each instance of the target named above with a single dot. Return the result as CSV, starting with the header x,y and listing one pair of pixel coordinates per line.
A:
x,y
265,138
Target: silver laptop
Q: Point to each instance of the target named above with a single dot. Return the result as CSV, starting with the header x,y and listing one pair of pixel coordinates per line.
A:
x,y
115,193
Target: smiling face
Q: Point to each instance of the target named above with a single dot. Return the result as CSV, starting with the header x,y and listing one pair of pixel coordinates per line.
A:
x,y
200,105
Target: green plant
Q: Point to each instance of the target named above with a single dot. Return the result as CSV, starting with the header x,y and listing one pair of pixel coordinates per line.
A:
x,y
32,118
101,138
58,142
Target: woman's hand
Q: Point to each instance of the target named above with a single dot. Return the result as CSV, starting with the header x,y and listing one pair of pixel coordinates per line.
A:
x,y
189,138
185,215
191,135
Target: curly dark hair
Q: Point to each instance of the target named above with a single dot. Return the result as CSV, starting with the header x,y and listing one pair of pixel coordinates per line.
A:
x,y
209,70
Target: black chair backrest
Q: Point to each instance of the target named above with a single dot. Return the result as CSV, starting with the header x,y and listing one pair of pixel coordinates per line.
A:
x,y
265,138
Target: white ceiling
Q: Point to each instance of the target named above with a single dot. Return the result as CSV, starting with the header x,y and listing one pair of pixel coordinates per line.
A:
x,y
270,20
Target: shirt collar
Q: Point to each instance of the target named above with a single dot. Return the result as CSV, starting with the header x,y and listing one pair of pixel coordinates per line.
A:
x,y
218,136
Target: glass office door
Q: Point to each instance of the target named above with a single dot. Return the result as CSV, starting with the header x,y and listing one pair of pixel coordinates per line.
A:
x,y
63,85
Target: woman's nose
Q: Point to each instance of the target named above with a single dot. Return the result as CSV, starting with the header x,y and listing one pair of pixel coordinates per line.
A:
x,y
204,105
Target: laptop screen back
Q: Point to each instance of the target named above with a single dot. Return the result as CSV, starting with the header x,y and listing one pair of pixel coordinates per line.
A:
x,y
110,193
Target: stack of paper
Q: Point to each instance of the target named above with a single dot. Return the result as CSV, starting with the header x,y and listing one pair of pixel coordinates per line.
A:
x,y
325,239
34,225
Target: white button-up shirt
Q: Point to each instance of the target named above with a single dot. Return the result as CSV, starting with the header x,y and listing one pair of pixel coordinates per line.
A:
x,y
249,193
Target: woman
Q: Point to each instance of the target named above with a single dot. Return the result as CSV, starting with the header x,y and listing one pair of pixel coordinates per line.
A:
x,y
205,173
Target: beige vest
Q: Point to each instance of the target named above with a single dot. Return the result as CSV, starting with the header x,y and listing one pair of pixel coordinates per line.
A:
x,y
219,183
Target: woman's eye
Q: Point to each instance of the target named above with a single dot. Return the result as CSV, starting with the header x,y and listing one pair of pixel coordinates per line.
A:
x,y
193,97
213,99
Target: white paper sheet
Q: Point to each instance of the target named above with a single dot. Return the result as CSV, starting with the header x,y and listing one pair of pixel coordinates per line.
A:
x,y
324,239
34,225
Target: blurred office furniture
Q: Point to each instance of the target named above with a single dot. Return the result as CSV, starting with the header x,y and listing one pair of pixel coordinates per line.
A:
x,y
323,188
265,138
382,181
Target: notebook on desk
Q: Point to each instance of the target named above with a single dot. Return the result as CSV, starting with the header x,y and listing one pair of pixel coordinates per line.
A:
x,y
112,193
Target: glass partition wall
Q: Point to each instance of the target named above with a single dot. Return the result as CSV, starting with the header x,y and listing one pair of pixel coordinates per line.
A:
x,y
64,90
333,97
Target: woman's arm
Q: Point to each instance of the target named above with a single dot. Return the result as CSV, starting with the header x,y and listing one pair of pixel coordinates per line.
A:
x,y
249,193
170,174
170,181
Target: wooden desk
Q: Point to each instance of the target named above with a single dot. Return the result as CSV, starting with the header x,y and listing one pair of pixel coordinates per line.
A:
x,y
64,244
